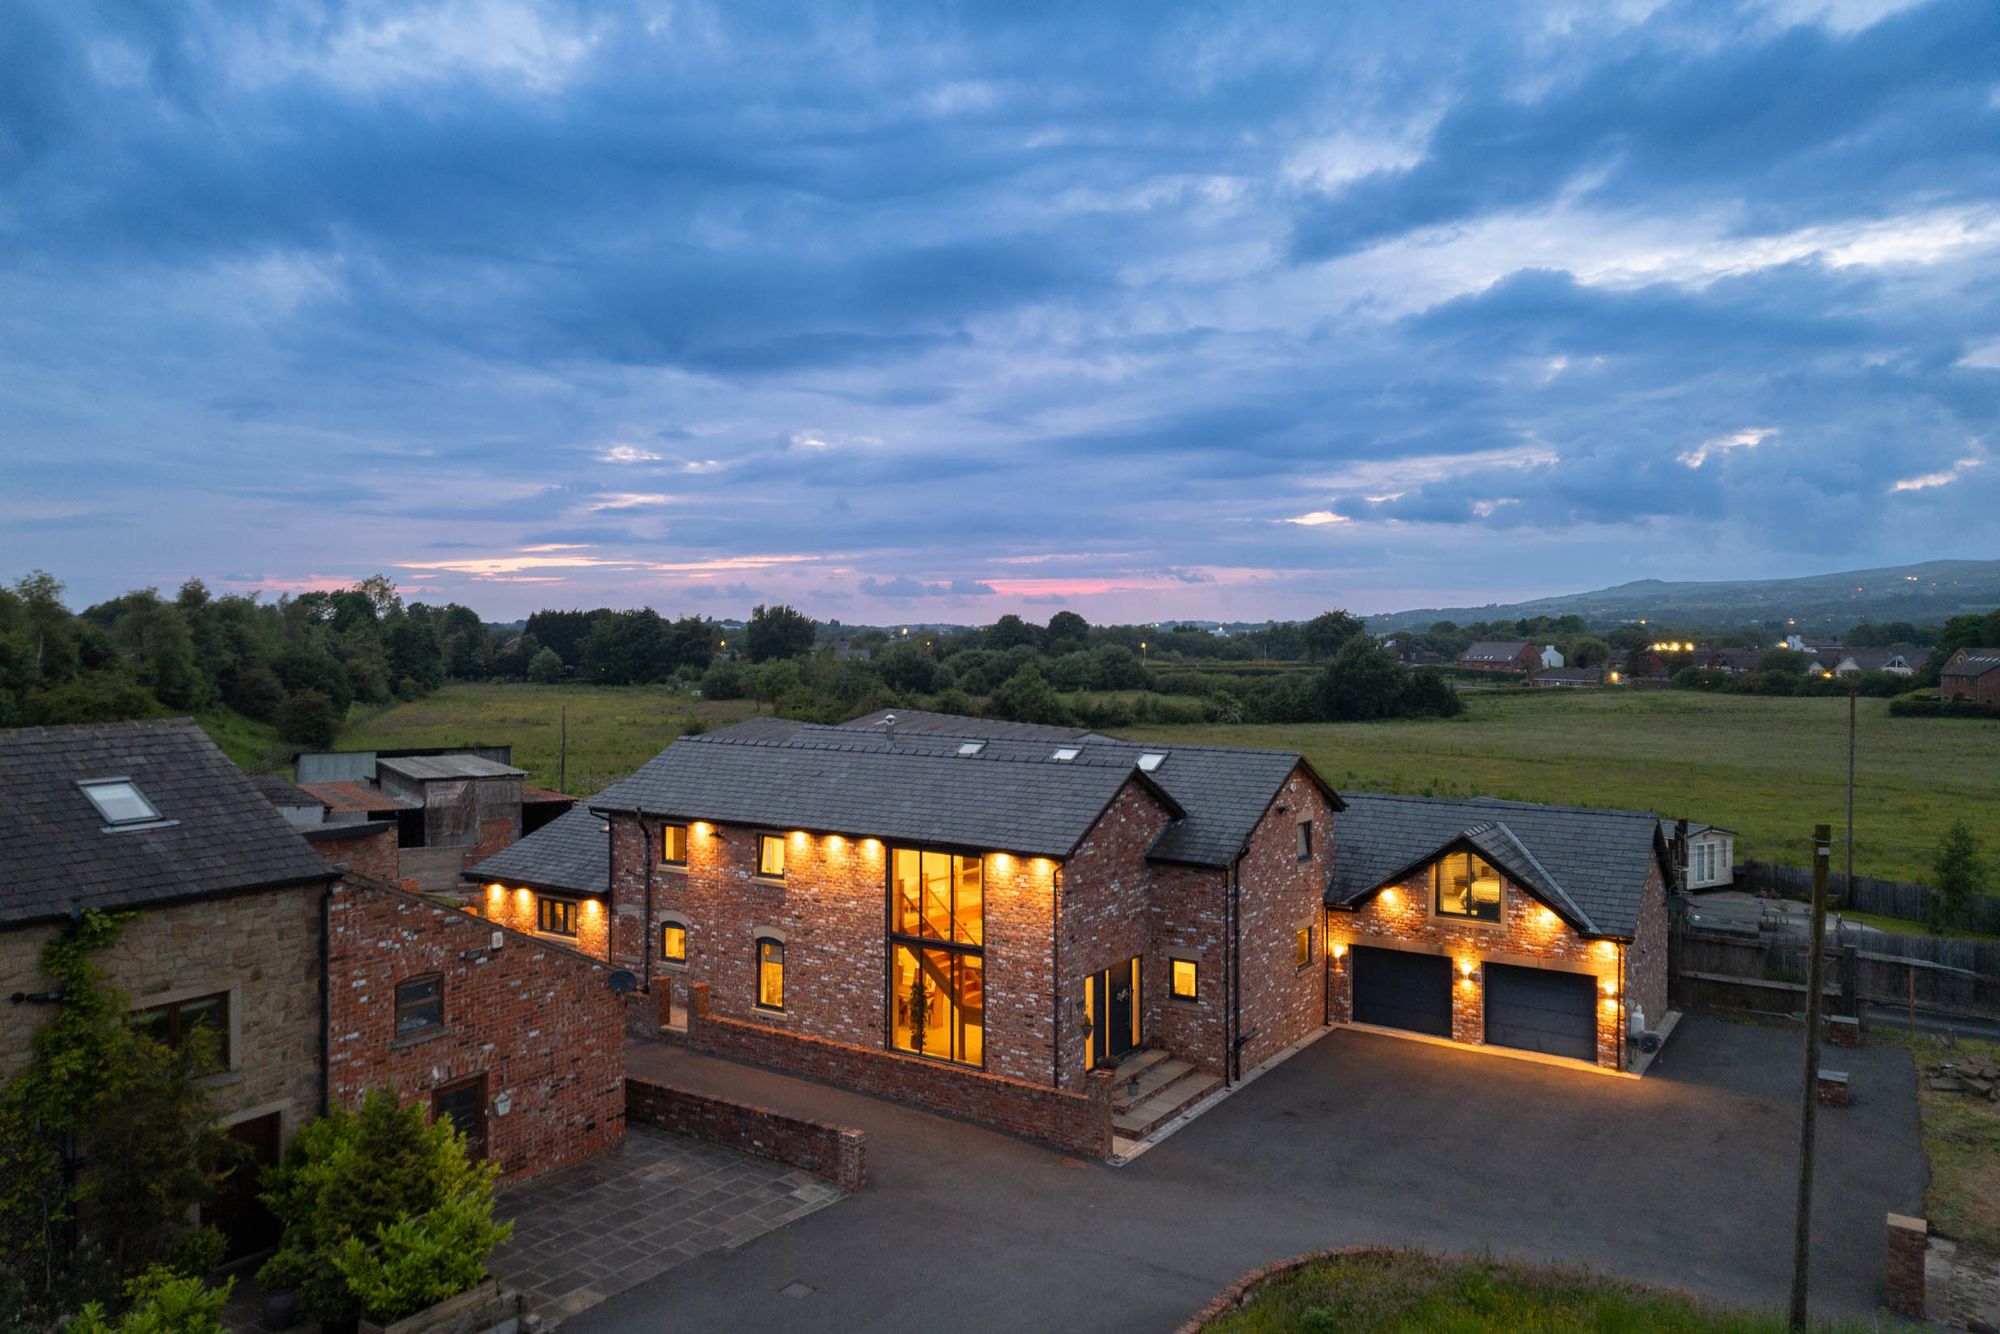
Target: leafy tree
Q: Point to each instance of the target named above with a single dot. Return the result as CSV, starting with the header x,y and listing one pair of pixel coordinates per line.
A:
x,y
1426,693
908,668
1364,680
1959,875
1010,631
1789,661
102,697
779,632
723,680
772,681
1026,697
309,719
1587,651
164,1301
544,667
1326,633
379,1208
1067,633
691,642
1116,667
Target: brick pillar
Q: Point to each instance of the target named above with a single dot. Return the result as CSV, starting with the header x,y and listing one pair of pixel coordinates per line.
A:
x,y
1908,1239
697,1013
1468,1004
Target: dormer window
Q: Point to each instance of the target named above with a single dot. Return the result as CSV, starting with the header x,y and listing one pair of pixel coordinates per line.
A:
x,y
971,747
1064,754
120,802
1152,760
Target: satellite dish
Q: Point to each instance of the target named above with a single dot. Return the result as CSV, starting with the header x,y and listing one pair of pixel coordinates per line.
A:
x,y
623,981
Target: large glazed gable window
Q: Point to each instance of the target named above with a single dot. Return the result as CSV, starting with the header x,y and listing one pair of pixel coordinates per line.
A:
x,y
937,965
1467,886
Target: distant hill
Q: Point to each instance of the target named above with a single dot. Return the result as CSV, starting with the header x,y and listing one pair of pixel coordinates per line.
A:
x,y
1925,594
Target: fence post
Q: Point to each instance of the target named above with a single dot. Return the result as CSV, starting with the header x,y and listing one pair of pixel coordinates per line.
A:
x,y
1850,980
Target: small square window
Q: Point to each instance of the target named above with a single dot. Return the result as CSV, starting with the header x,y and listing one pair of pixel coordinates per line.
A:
x,y
1302,946
674,844
771,856
556,916
1186,979
673,943
419,1005
1305,840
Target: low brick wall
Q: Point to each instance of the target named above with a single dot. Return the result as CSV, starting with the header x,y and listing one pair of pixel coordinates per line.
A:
x,y
834,1152
1073,1122
1233,1296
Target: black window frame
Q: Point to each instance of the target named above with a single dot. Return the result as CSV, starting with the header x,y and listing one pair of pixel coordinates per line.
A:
x,y
571,912
404,1004
1174,992
1302,947
667,858
1438,909
918,942
1305,840
784,857
171,1012
681,927
757,961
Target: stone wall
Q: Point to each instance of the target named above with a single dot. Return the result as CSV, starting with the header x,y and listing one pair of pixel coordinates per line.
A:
x,y
538,1021
261,948
1073,1122
834,1152
1527,934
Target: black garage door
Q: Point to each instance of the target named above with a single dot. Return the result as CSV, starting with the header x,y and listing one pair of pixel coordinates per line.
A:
x,y
1401,990
1543,1011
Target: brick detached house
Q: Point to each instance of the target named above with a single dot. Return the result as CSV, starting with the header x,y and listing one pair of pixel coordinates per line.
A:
x,y
1971,674
1502,656
1538,928
979,916
150,818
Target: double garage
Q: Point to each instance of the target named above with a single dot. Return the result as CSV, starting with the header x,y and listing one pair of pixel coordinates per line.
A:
x,y
1532,1009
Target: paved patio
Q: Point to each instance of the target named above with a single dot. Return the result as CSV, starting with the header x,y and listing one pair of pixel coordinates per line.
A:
x,y
594,1230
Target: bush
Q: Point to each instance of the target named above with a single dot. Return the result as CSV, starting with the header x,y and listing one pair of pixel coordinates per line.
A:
x,y
723,680
163,1302
1920,704
309,719
1026,698
354,1188
545,666
257,693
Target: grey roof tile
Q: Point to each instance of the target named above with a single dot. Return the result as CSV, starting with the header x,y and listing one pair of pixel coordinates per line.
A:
x,y
571,852
222,835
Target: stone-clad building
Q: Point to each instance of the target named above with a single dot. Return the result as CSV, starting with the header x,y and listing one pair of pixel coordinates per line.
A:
x,y
150,818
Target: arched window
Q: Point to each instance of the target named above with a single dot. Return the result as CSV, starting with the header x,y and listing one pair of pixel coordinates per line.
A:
x,y
770,973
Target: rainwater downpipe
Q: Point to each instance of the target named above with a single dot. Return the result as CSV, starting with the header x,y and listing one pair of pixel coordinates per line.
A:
x,y
1234,1063
646,927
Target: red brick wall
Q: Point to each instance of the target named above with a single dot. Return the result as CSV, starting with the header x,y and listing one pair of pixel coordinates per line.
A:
x,y
1982,689
834,1152
1107,887
372,855
1283,1002
1527,934
1074,1122
513,906
1189,921
1646,956
538,1022
495,833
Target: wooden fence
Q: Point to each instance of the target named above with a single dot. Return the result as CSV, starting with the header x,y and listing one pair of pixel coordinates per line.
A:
x,y
1768,971
1889,898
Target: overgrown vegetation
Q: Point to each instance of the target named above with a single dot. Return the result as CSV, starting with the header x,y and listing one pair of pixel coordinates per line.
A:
x,y
1961,1130
1960,873
1393,1292
383,1214
106,1146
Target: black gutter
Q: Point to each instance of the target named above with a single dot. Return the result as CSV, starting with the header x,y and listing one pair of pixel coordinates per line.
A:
x,y
326,995
1233,1059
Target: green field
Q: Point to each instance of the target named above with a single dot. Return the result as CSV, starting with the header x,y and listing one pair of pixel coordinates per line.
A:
x,y
1770,768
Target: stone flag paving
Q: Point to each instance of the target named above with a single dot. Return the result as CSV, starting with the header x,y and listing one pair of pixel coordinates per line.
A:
x,y
587,1232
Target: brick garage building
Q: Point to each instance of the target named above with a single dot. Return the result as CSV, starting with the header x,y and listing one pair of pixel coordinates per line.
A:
x,y
1499,923
517,1041
554,884
149,818
989,908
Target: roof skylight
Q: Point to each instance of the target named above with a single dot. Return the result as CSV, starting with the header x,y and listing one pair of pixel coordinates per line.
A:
x,y
971,747
1151,760
1067,753
119,801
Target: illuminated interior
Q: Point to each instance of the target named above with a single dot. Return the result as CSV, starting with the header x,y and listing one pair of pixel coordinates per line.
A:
x,y
771,974
674,943
937,934
771,856
1467,887
1185,980
674,844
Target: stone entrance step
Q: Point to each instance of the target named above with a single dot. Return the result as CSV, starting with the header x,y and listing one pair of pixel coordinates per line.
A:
x,y
1166,1088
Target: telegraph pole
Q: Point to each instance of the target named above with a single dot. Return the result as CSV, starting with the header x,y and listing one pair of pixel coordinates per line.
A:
x,y
1809,1106
1847,899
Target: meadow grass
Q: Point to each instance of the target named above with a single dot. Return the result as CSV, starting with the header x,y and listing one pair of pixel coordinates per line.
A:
x,y
1770,768
1961,1141
1401,1291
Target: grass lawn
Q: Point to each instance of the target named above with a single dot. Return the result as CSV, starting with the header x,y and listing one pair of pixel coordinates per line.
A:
x,y
612,730
1397,1292
255,747
1770,768
1962,1142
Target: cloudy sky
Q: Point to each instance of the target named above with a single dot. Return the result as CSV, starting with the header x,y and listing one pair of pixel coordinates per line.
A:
x,y
930,313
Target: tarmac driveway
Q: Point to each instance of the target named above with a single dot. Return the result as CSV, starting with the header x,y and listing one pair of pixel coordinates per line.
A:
x,y
1683,1178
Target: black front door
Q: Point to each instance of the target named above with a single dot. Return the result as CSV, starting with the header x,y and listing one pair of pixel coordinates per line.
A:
x,y
464,1105
1114,1012
245,1223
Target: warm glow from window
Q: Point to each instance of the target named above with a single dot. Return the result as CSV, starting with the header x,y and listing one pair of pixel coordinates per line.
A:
x,y
1302,946
1466,886
771,856
674,943
1184,979
674,844
771,974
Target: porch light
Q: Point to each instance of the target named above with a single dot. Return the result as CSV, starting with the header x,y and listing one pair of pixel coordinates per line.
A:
x,y
1339,949
1466,968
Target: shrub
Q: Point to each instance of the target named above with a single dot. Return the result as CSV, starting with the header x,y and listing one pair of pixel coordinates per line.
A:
x,y
355,1186
545,666
308,718
163,1302
723,680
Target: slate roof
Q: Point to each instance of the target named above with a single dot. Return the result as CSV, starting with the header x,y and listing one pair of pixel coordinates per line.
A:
x,y
1011,794
571,853
1491,650
1584,675
536,795
281,791
1976,662
348,797
428,768
220,835
1589,865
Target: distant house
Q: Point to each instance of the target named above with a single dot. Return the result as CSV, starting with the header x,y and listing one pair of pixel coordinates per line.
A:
x,y
1410,654
1502,656
1971,674
1896,659
1711,854
1735,661
1550,656
1559,678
